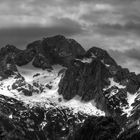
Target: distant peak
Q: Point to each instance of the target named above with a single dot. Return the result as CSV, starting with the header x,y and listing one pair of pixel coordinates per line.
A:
x,y
98,52
58,37
102,55
9,48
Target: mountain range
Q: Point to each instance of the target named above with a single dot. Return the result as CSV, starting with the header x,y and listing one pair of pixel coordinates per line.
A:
x,y
56,90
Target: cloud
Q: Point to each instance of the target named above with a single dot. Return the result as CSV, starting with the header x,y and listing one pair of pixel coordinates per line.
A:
x,y
133,54
128,59
124,55
107,1
119,29
23,35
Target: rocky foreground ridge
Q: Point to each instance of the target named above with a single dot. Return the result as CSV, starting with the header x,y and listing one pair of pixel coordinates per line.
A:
x,y
55,90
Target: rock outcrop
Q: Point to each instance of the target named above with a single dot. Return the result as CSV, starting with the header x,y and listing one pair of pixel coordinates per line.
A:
x,y
96,76
98,128
86,80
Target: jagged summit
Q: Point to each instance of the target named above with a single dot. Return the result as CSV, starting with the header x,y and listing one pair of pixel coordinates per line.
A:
x,y
96,76
45,52
102,55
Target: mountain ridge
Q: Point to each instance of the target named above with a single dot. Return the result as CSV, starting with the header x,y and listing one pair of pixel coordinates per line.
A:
x,y
57,73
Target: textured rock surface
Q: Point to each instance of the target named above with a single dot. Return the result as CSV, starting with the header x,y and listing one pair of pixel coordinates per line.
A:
x,y
7,64
101,128
96,76
86,80
62,50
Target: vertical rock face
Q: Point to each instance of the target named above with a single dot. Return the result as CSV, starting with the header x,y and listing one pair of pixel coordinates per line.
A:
x,y
87,76
62,50
86,80
96,76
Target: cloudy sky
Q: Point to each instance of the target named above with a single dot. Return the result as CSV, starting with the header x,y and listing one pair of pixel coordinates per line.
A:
x,y
113,25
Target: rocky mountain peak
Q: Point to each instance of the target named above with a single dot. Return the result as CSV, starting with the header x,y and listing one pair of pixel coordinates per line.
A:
x,y
54,87
96,77
61,49
45,53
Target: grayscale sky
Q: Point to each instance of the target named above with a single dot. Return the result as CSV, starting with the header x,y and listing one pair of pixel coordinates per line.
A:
x,y
113,25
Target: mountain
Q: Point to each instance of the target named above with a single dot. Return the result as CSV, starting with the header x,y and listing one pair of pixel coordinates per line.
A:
x,y
55,90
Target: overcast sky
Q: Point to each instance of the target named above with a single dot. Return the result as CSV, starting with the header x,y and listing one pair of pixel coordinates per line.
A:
x,y
113,25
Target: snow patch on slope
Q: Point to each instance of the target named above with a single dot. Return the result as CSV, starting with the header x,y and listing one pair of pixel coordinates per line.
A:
x,y
85,60
93,55
29,71
5,87
130,99
49,95
113,83
86,107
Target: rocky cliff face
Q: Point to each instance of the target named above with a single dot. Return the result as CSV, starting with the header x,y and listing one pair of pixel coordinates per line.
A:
x,y
55,80
85,79
96,76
